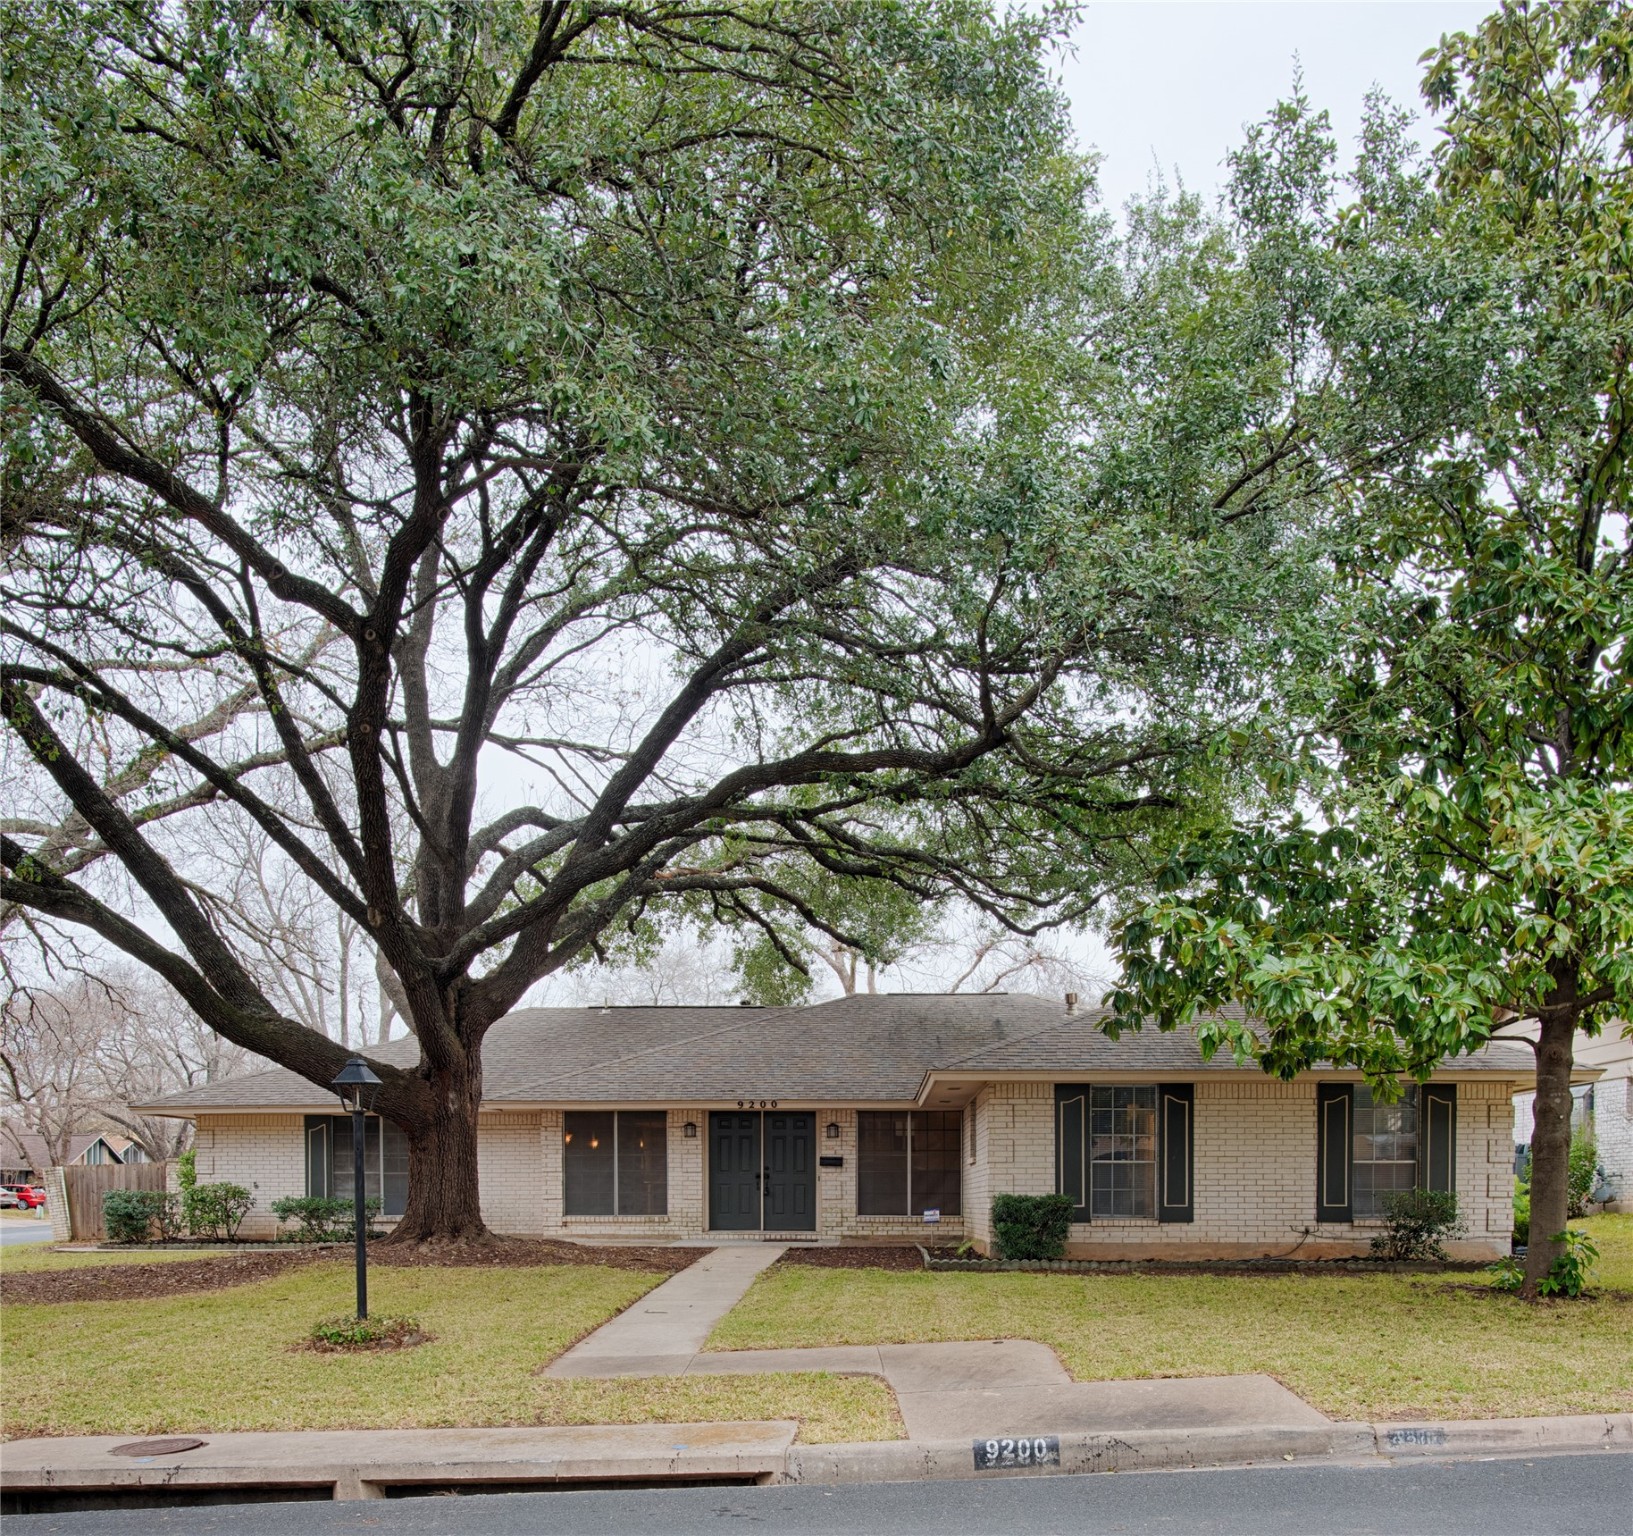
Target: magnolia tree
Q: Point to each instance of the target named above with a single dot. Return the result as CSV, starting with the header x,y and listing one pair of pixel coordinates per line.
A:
x,y
1459,862
608,462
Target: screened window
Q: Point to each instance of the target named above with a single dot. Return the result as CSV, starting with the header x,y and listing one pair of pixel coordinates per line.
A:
x,y
1384,1149
1123,1151
616,1162
909,1163
385,1161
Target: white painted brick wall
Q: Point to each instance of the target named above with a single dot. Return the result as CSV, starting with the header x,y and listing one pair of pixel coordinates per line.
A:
x,y
264,1153
1255,1169
1255,1174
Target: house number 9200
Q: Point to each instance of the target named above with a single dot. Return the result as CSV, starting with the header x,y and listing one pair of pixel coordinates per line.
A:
x,y
756,1103
1017,1451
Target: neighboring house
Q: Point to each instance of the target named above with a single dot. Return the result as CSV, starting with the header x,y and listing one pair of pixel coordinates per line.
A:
x,y
1604,1107
891,1117
24,1156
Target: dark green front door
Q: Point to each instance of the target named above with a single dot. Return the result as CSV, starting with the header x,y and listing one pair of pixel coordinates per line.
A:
x,y
790,1172
734,1172
762,1171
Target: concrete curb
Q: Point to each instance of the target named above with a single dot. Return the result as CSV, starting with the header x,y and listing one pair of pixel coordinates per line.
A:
x,y
1155,1449
365,1464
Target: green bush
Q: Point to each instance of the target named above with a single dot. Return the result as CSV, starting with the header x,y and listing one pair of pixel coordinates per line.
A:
x,y
216,1210
1522,1212
187,1170
1583,1173
1031,1226
1417,1220
129,1215
321,1219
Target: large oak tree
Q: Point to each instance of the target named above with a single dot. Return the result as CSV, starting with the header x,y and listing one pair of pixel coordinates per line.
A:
x,y
608,458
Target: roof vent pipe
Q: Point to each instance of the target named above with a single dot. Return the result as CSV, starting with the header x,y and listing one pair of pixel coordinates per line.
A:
x,y
1071,1002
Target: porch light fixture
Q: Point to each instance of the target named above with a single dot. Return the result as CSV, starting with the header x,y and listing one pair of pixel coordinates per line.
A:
x,y
689,1130
357,1086
832,1132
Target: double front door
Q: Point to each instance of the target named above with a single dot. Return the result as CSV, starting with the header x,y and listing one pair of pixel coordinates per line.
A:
x,y
762,1171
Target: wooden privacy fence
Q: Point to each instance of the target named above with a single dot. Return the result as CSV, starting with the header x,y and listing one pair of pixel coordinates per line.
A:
x,y
86,1184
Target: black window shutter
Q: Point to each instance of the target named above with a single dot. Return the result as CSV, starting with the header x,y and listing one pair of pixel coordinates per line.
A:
x,y
1176,1196
1437,1136
1071,1149
1335,1119
319,1156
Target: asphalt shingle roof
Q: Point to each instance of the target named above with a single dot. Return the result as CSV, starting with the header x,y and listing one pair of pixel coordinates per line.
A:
x,y
866,1049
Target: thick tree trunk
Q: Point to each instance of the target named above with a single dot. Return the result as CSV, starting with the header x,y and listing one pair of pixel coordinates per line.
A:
x,y
444,1195
1551,1140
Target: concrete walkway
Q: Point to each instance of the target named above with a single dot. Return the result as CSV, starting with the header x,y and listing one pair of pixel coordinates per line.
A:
x,y
1003,1386
661,1333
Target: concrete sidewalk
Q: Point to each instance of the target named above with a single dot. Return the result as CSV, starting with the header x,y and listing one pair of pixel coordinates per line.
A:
x,y
664,1330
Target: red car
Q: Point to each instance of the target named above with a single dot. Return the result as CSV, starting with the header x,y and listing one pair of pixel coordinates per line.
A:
x,y
27,1195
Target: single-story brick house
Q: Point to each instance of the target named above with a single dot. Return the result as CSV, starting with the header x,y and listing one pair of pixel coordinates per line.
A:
x,y
883,1117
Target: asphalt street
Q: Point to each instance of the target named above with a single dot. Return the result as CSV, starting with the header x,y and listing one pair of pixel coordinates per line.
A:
x,y
23,1229
1549,1495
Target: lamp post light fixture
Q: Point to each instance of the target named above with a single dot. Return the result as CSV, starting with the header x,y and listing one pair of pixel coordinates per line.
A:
x,y
357,1085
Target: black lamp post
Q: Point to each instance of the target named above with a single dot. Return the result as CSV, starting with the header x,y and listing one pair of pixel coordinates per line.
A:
x,y
357,1086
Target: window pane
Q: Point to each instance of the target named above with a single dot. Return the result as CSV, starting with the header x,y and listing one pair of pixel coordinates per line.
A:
x,y
394,1167
881,1163
1123,1151
643,1163
1385,1149
587,1161
936,1175
340,1173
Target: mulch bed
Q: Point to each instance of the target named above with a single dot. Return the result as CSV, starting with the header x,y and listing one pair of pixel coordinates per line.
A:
x,y
142,1282
530,1252
862,1256
139,1282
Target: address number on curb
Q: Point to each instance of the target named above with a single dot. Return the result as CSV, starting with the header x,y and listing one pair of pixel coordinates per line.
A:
x,y
1017,1451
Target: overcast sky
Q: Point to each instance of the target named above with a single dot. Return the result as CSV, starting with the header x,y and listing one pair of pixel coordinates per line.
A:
x,y
1169,83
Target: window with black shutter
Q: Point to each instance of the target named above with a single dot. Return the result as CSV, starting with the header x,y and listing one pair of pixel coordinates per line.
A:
x,y
1124,1150
1176,1200
1367,1149
1437,1136
385,1161
1334,1107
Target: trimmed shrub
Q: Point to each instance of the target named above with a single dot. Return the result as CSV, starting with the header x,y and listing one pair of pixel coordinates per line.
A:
x,y
128,1214
216,1210
321,1219
1417,1222
1031,1226
1522,1214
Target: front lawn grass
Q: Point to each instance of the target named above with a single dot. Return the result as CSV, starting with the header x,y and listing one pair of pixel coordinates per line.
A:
x,y
221,1361
1354,1346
